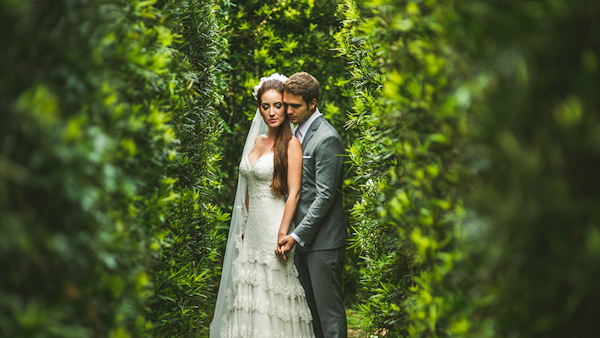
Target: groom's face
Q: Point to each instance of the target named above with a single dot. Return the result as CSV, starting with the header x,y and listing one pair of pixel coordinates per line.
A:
x,y
297,110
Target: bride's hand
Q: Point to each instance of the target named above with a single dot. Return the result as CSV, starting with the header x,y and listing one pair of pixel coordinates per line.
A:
x,y
278,250
279,254
285,245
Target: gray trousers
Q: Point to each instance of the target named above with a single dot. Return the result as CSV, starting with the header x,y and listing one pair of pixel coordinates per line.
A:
x,y
320,273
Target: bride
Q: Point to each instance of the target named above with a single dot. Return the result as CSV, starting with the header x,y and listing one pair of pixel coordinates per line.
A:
x,y
260,294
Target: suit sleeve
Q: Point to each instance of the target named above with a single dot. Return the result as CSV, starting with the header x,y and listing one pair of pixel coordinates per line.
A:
x,y
329,162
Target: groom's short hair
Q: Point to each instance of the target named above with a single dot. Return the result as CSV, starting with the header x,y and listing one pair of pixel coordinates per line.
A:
x,y
303,84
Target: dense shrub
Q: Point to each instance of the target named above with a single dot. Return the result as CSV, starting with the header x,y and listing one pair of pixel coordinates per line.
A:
x,y
536,242
105,158
479,210
375,239
407,160
184,281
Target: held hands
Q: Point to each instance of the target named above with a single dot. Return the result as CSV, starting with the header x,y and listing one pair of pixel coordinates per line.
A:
x,y
285,244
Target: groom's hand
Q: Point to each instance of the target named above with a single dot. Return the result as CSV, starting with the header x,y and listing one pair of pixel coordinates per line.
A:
x,y
278,250
285,245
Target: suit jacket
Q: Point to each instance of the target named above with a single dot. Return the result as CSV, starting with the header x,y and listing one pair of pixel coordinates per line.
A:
x,y
319,216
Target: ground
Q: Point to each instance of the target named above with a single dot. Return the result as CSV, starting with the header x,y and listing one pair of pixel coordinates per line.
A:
x,y
355,328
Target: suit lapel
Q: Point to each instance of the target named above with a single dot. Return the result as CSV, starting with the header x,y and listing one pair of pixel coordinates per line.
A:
x,y
313,128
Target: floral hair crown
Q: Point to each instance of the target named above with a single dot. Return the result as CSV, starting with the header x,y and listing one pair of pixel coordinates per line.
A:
x,y
274,76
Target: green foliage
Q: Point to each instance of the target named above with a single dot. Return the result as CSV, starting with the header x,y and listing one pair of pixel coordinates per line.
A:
x,y
535,242
474,145
106,130
407,160
184,281
475,163
381,270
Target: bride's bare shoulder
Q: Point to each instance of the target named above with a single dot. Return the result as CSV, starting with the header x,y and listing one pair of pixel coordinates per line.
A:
x,y
259,138
294,145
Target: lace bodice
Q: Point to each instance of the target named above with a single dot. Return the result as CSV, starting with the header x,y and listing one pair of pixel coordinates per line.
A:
x,y
265,208
259,177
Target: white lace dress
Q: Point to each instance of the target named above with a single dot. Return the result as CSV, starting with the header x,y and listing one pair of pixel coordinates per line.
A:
x,y
267,299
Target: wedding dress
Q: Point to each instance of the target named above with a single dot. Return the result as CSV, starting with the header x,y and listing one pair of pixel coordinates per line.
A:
x,y
267,300
259,295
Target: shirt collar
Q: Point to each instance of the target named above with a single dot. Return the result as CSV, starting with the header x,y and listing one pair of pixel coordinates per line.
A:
x,y
303,128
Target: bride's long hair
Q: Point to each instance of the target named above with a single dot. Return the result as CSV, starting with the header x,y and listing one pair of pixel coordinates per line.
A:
x,y
282,138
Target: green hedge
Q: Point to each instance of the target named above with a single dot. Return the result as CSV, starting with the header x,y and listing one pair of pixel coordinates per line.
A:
x,y
535,149
185,290
478,144
408,162
106,130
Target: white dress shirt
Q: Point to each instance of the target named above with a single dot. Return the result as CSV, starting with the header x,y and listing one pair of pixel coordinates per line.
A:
x,y
300,132
302,129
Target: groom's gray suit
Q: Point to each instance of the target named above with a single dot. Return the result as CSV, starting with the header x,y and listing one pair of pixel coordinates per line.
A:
x,y
320,223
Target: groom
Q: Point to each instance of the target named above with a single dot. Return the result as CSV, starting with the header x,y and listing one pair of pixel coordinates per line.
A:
x,y
320,227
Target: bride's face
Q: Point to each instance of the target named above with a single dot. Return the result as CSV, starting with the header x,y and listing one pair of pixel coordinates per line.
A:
x,y
272,108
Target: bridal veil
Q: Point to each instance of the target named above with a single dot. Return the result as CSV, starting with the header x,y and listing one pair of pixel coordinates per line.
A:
x,y
236,230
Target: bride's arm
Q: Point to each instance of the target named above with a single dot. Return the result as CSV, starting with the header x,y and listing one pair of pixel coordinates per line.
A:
x,y
294,178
